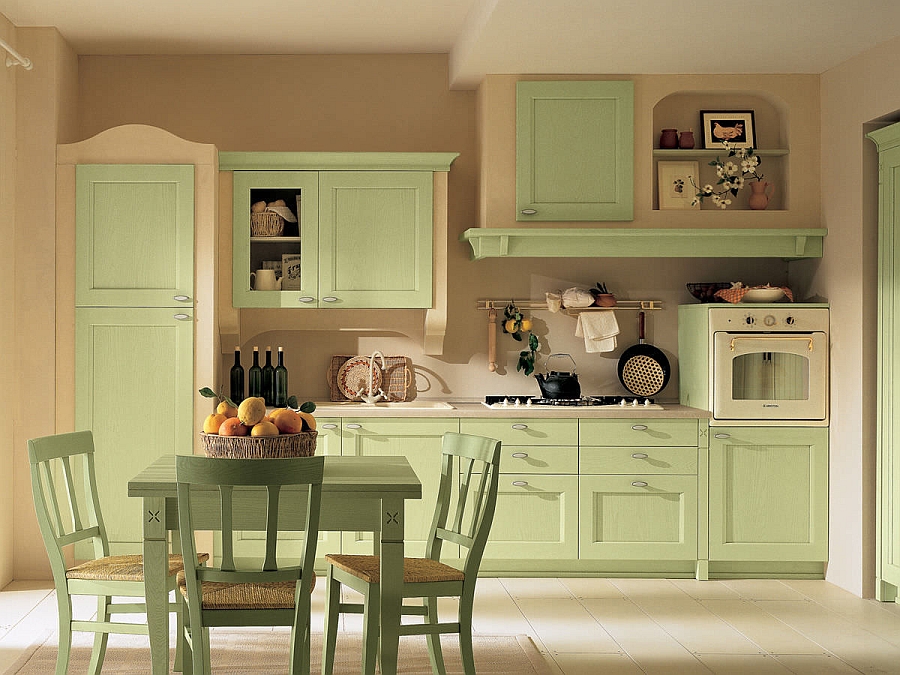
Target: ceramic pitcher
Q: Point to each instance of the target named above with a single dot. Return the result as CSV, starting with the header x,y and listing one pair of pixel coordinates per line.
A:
x,y
760,194
264,280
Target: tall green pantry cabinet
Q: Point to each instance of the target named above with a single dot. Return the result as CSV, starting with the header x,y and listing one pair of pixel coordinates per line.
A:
x,y
134,313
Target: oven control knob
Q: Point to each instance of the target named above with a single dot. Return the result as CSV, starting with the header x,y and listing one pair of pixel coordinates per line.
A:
x,y
790,320
749,320
769,320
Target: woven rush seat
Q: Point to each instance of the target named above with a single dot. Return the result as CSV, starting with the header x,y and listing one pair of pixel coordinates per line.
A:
x,y
269,595
415,570
123,567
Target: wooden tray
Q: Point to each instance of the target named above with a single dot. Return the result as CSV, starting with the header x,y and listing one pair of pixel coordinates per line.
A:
x,y
395,381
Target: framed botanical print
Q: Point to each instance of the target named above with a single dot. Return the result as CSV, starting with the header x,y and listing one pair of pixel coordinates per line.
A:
x,y
676,184
735,126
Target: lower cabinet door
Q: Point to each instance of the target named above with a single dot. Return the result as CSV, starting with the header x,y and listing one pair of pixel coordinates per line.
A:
x,y
641,517
768,494
536,517
419,440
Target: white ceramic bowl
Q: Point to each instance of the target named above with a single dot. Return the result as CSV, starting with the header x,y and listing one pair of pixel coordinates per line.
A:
x,y
771,294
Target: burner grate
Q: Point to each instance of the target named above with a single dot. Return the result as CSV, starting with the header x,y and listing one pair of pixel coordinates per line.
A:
x,y
503,401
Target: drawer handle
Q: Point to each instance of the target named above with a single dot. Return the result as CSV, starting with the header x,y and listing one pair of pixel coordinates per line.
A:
x,y
639,427
181,317
639,483
520,455
330,298
182,298
723,436
306,298
529,212
520,426
329,426
520,483
640,455
353,426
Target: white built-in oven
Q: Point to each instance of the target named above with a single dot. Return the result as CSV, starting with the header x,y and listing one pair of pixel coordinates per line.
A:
x,y
769,363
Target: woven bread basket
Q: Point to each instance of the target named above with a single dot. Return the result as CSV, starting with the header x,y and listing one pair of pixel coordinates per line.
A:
x,y
266,224
302,444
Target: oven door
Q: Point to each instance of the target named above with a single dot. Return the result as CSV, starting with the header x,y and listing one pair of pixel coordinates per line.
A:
x,y
771,376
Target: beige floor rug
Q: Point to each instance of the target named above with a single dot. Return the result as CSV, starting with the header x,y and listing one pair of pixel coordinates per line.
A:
x,y
241,652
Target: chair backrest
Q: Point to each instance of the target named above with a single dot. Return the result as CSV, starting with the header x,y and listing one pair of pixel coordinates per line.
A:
x,y
222,477
472,463
65,498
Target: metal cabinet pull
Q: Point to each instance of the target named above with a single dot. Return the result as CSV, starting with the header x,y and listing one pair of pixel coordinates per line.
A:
x,y
520,455
640,455
182,317
329,426
330,298
723,436
182,298
520,483
639,427
306,298
529,212
639,483
353,426
520,426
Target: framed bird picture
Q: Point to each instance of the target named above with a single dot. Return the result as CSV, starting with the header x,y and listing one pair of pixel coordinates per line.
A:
x,y
735,126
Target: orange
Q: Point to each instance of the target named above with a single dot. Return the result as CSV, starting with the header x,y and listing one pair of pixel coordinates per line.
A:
x,y
233,427
309,422
264,429
212,423
288,422
224,409
272,415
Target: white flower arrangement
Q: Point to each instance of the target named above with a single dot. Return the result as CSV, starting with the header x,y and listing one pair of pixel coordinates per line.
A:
x,y
731,176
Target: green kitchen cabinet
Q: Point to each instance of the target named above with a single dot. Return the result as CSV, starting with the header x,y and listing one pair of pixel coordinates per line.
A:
x,y
417,439
134,391
574,150
768,494
134,241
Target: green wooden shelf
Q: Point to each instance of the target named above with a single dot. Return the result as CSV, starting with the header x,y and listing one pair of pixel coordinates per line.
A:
x,y
790,244
336,161
666,153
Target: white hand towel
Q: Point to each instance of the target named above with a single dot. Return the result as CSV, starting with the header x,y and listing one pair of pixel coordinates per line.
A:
x,y
599,330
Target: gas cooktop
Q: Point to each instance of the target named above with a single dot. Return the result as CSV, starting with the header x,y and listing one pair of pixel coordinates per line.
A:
x,y
507,401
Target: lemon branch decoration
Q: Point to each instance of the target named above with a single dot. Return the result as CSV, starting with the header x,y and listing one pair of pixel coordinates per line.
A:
x,y
516,325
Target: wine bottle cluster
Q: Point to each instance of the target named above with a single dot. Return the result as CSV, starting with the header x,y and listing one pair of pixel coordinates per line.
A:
x,y
269,381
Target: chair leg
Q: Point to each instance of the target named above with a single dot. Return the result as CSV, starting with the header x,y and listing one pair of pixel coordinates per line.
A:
x,y
466,600
435,654
187,656
180,609
100,639
372,601
332,616
207,663
64,609
300,638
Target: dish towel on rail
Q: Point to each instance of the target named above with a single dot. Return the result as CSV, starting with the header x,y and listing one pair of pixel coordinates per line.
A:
x,y
599,330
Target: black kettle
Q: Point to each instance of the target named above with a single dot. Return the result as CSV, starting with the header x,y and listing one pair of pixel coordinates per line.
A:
x,y
559,384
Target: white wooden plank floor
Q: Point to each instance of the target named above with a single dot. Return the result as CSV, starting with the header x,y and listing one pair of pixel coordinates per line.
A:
x,y
626,626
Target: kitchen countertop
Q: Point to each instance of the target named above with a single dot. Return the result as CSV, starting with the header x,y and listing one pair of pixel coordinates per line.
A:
x,y
472,409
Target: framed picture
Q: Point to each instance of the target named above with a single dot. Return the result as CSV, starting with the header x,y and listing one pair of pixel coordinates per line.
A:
x,y
290,271
735,126
675,188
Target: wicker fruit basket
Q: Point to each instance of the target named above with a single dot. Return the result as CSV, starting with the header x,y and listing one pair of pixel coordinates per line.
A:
x,y
302,444
266,224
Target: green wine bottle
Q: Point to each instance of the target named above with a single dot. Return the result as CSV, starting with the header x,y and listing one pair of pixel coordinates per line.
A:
x,y
255,376
268,379
237,378
281,382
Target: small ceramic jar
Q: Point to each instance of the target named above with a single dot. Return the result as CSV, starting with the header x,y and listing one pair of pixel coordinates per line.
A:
x,y
669,139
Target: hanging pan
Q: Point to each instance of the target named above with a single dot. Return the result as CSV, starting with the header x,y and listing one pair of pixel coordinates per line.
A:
x,y
643,369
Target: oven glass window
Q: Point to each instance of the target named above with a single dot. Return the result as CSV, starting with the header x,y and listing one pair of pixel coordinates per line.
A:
x,y
770,376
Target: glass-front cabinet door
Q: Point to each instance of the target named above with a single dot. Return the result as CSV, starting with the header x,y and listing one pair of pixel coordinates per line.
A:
x,y
275,249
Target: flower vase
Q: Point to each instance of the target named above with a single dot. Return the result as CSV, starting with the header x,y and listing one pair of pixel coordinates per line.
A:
x,y
759,197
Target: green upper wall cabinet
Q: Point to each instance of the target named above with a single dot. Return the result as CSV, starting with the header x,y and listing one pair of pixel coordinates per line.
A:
x,y
574,150
135,237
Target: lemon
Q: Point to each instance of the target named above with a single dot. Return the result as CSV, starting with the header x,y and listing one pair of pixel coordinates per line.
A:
x,y
510,326
526,324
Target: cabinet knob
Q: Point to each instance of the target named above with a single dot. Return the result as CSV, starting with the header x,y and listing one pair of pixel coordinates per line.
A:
x,y
329,426
306,298
330,298
182,317
639,427
353,426
640,455
529,212
520,455
182,298
520,483
519,427
723,436
639,483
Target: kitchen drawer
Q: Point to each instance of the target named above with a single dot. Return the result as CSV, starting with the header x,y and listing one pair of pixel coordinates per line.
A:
x,y
543,459
524,431
631,433
635,459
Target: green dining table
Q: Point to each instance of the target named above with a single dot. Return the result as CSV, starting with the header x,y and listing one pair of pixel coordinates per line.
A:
x,y
359,494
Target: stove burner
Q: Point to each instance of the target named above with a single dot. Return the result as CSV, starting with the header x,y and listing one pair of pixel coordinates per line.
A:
x,y
520,401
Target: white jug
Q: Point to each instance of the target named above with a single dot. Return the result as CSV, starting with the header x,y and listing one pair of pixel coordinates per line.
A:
x,y
264,280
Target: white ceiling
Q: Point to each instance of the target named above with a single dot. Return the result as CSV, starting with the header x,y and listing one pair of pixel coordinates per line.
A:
x,y
488,36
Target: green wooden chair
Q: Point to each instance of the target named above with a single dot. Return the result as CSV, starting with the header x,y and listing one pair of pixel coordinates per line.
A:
x,y
68,511
472,463
234,595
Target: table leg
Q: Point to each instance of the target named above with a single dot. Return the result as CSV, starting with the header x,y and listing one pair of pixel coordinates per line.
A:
x,y
391,582
155,571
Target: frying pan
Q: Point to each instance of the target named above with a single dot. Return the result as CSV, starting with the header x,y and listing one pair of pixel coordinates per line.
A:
x,y
643,369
